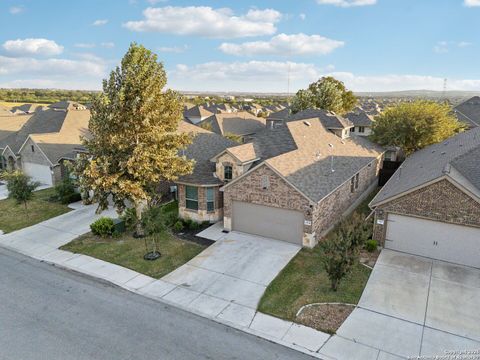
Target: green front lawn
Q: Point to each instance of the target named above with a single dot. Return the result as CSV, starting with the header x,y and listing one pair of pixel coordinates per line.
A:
x,y
128,252
304,281
14,217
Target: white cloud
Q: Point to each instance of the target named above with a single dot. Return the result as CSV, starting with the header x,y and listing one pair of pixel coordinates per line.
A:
x,y
32,47
173,49
271,76
351,3
283,44
471,3
100,22
86,72
302,16
108,44
207,22
154,2
84,45
14,10
443,47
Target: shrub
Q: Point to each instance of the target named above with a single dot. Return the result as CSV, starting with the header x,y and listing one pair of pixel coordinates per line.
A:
x,y
371,245
130,218
65,191
178,226
170,219
193,225
20,186
102,227
153,220
338,258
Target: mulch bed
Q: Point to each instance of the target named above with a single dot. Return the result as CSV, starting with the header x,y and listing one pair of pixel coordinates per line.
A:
x,y
369,258
325,317
191,235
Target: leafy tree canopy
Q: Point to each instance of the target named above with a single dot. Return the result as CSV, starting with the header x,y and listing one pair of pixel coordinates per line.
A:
x,y
134,142
413,126
20,186
328,94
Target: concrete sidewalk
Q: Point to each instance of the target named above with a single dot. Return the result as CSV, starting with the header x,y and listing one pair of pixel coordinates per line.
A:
x,y
41,241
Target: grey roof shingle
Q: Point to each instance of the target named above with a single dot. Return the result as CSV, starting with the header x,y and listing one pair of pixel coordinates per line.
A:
x,y
328,119
359,118
205,145
460,151
41,122
469,111
238,123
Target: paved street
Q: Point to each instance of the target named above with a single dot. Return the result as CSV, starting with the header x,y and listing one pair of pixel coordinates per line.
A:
x,y
50,313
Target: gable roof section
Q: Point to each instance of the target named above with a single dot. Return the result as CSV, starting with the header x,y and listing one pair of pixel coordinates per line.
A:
x,y
301,155
205,145
56,144
328,119
238,123
41,122
197,111
469,111
11,124
433,162
359,118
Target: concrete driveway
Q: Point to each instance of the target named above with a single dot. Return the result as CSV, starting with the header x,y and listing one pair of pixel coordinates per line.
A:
x,y
413,306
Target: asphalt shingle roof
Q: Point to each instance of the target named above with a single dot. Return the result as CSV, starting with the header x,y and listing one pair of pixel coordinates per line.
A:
x,y
469,111
204,147
238,123
359,118
328,119
460,151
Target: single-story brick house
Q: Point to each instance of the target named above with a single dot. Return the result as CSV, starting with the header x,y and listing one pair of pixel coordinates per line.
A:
x,y
39,145
431,205
291,183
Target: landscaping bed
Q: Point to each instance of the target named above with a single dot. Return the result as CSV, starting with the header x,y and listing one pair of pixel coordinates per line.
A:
x,y
13,216
325,317
127,251
177,246
305,281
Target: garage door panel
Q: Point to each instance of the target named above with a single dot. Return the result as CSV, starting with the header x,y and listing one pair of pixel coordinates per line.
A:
x,y
38,172
266,221
449,242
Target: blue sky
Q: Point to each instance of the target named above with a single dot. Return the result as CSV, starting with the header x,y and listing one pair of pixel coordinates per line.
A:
x,y
372,45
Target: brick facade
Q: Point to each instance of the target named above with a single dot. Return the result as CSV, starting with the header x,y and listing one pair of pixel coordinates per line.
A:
x,y
201,214
440,201
329,211
280,194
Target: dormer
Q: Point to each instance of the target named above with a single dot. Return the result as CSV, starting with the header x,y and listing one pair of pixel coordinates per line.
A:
x,y
234,161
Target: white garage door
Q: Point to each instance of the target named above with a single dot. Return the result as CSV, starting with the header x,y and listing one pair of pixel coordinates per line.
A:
x,y
37,172
266,221
433,239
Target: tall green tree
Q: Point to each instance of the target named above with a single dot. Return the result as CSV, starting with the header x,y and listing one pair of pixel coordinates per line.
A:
x,y
328,94
134,143
413,126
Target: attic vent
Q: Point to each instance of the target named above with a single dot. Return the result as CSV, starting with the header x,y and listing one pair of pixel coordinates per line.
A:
x,y
433,151
443,152
307,123
265,182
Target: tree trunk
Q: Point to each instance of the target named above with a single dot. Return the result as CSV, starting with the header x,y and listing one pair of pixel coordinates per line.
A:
x,y
139,208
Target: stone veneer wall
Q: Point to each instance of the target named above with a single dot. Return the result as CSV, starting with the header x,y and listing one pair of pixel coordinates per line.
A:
x,y
201,214
440,201
329,211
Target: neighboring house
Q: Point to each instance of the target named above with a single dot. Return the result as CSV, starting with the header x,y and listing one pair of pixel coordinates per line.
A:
x,y
362,123
291,183
199,196
196,114
26,108
239,123
431,205
337,124
276,119
468,112
40,144
9,125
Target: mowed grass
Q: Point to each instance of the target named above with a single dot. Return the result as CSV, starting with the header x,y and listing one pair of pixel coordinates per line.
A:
x,y
10,104
13,216
304,281
128,252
